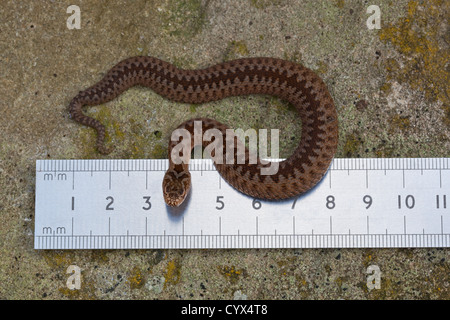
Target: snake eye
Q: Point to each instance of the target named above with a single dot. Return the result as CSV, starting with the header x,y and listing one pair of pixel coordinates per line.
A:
x,y
166,188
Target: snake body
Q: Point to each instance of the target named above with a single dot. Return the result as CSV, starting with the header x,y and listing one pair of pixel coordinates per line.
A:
x,y
289,81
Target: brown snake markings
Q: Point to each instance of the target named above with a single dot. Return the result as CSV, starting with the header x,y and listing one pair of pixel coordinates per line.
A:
x,y
291,82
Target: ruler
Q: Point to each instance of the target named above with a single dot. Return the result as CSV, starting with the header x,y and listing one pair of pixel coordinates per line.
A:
x,y
360,203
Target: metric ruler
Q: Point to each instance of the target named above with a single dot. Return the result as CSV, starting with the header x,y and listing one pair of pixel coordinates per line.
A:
x,y
360,203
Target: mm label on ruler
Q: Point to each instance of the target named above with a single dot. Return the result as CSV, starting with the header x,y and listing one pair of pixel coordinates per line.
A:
x,y
360,203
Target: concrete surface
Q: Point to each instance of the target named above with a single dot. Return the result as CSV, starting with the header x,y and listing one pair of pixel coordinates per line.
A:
x,y
390,87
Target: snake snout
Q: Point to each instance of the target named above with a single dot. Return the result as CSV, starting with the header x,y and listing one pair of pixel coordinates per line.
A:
x,y
175,188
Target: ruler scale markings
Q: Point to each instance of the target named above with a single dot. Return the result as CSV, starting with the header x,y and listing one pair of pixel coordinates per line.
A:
x,y
88,233
403,178
329,177
404,224
367,178
331,225
293,225
368,225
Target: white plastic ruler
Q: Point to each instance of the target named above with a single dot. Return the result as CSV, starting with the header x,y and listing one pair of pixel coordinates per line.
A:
x,y
360,203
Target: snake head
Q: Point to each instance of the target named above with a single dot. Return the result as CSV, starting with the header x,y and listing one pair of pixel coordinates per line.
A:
x,y
176,186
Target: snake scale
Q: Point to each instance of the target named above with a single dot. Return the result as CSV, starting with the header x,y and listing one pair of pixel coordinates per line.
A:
x,y
289,81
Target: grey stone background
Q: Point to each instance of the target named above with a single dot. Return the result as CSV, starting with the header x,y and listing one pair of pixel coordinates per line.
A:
x,y
390,87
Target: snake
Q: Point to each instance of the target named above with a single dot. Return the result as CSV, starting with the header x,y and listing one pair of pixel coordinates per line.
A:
x,y
289,81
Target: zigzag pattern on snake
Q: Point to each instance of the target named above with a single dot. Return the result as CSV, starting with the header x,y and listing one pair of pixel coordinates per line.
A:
x,y
289,81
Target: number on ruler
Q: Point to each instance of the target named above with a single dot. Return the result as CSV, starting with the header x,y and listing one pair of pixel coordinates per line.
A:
x,y
256,204
410,202
109,206
330,202
147,202
293,203
111,201
367,200
221,203
444,202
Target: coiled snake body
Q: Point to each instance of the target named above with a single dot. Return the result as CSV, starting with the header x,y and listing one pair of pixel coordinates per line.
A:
x,y
289,81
